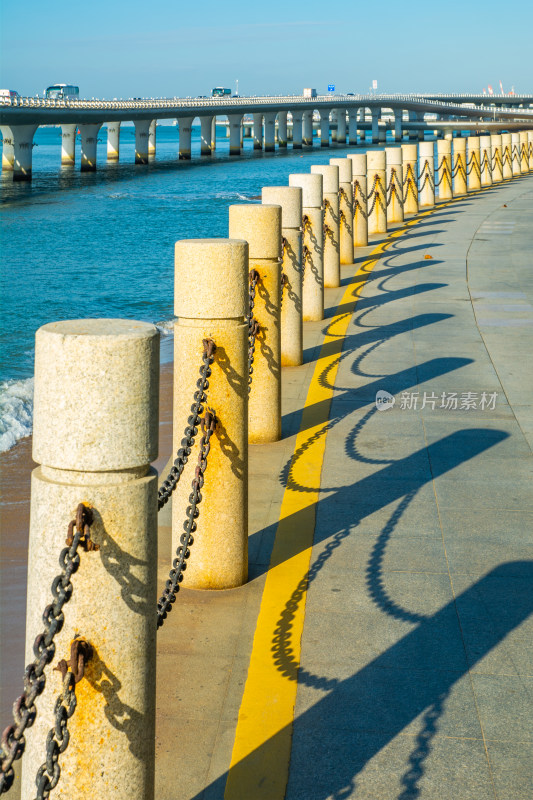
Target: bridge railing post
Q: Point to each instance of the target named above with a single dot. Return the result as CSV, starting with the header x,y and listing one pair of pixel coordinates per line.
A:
x,y
260,226
345,208
211,303
313,245
360,216
331,222
290,200
95,434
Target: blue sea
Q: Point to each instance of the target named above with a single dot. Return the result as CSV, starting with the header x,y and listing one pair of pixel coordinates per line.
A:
x,y
101,244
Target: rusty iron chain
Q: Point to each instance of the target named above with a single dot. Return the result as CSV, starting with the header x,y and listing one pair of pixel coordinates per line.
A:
x,y
164,604
357,187
191,429
58,737
253,326
24,710
283,282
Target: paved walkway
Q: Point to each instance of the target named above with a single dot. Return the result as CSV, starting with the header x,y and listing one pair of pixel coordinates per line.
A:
x,y
380,650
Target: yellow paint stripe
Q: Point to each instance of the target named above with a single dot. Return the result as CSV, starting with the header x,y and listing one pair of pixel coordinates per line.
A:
x,y
261,752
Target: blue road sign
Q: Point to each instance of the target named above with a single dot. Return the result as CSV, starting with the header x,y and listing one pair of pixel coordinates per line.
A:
x,y
331,87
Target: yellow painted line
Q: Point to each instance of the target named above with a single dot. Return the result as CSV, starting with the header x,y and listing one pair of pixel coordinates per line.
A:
x,y
260,760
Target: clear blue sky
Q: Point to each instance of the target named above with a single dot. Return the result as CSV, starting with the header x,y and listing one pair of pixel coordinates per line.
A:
x,y
114,48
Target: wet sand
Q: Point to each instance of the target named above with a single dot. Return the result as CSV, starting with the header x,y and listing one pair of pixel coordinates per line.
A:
x,y
15,471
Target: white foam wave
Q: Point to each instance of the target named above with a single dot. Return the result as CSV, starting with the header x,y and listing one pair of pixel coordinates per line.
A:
x,y
16,411
166,326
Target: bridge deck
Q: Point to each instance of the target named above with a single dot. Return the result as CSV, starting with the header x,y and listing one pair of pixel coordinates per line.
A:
x,y
380,648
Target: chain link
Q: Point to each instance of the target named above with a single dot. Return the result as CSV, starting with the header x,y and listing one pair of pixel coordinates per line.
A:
x,y
356,187
253,326
164,604
197,409
24,710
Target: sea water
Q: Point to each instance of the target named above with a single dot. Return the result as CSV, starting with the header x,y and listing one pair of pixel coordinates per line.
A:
x,y
76,245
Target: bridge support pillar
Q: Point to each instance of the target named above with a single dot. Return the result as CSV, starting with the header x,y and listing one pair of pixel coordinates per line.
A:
x,y
206,126
515,152
235,129
524,155
297,120
220,546
341,126
97,452
313,245
333,129
282,129
360,217
485,160
152,137
260,226
8,150
213,134
376,113
142,130
361,116
258,131
352,126
426,170
290,200
113,141
444,169
308,128
496,160
507,157
394,175
89,141
345,209
330,197
270,132
473,168
459,166
377,191
185,130
398,123
410,168
324,128
68,144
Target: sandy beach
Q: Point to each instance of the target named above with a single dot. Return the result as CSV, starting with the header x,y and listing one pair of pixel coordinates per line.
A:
x,y
15,472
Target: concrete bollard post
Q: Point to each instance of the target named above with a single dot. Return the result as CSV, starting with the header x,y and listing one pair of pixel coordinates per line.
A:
x,y
410,167
530,149
152,140
142,129
185,130
297,121
308,128
473,164
459,166
68,145
324,127
97,452
235,129
444,169
496,160
89,136
282,129
290,200
485,160
515,153
313,245
426,170
260,226
331,223
377,191
218,311
360,216
524,154
345,208
206,125
507,156
394,174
